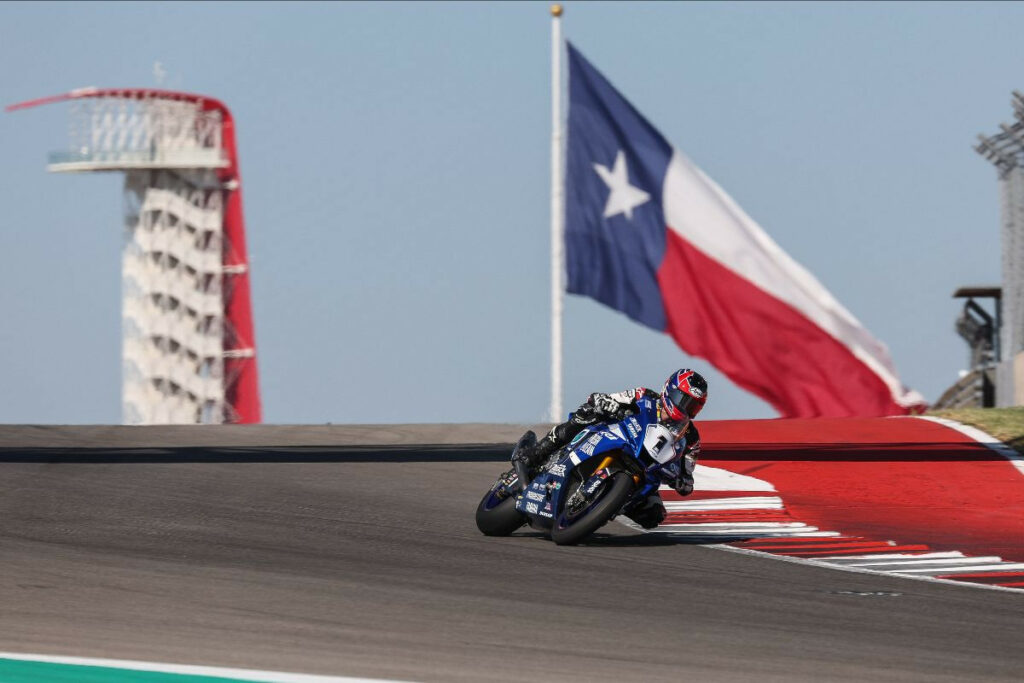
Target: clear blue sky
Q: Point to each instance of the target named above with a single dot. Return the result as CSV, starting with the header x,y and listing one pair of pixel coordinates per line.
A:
x,y
396,171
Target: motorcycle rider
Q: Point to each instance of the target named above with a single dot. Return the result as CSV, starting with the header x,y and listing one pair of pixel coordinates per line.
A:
x,y
683,396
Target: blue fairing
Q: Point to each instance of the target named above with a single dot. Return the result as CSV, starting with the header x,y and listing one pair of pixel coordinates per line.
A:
x,y
544,496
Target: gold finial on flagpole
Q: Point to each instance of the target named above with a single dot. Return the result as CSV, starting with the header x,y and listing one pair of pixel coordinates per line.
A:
x,y
556,10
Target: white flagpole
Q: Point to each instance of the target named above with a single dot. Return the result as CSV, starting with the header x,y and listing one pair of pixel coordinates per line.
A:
x,y
557,215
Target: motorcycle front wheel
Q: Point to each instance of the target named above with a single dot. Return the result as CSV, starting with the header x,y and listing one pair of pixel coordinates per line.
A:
x,y
497,515
570,530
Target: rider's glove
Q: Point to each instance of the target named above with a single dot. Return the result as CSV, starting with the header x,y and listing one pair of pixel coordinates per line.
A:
x,y
683,484
586,414
607,407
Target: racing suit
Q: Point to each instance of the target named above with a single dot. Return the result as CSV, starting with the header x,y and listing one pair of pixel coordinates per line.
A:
x,y
615,407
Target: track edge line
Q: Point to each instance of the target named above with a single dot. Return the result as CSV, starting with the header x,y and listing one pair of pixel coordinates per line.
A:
x,y
982,437
249,675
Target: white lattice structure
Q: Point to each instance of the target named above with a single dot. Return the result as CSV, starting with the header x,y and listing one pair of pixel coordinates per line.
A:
x,y
119,133
173,304
188,352
1005,150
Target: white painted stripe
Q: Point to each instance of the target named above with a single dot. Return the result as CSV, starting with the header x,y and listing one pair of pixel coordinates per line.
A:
x,y
1015,458
733,532
949,562
752,534
751,503
701,212
716,479
680,530
861,570
1006,566
743,525
191,670
889,556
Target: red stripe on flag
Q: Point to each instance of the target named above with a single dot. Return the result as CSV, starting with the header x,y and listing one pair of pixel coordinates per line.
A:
x,y
761,343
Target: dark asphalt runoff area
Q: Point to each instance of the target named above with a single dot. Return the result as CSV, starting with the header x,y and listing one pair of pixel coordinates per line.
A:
x,y
331,562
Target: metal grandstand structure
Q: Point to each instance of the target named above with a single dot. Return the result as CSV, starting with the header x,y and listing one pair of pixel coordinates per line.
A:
x,y
976,388
1005,150
189,352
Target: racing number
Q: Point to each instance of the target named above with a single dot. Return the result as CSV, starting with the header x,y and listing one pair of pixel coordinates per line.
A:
x,y
658,442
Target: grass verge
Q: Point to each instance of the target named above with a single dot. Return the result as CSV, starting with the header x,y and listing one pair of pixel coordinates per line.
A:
x,y
1006,424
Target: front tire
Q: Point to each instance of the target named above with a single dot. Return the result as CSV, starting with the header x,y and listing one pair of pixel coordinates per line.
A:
x,y
496,516
571,532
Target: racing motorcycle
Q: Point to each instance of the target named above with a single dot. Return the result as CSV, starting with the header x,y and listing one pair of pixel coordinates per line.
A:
x,y
605,469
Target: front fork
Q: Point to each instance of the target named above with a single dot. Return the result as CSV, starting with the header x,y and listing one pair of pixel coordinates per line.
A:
x,y
585,493
605,466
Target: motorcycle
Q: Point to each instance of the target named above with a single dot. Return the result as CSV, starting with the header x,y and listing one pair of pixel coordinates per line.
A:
x,y
605,469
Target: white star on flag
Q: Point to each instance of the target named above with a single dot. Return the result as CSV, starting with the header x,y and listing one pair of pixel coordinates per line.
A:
x,y
623,197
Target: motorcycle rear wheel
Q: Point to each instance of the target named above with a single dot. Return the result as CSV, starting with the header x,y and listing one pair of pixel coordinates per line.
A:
x,y
616,494
496,516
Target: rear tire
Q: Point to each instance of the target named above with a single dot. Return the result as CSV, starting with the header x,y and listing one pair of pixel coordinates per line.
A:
x,y
498,518
615,497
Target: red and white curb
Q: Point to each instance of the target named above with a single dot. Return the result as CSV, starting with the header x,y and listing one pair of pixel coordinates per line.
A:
x,y
744,514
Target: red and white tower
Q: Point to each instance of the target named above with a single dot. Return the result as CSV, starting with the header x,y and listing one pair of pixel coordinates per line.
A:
x,y
189,351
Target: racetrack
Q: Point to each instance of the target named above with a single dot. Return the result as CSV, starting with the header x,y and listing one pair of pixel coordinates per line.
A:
x,y
376,569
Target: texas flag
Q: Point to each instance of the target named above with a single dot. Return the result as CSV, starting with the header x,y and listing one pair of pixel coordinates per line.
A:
x,y
649,234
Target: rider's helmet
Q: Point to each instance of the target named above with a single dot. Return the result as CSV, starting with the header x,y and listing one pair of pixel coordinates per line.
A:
x,y
684,396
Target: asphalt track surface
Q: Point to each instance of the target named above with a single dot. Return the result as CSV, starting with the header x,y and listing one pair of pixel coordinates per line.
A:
x,y
333,561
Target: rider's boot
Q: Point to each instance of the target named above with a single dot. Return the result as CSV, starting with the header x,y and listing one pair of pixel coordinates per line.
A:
x,y
560,434
542,450
648,513
538,453
523,451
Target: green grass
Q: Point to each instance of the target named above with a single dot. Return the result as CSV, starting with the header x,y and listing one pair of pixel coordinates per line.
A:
x,y
1006,424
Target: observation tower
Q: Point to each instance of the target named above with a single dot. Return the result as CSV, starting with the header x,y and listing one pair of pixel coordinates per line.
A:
x,y
189,351
1005,150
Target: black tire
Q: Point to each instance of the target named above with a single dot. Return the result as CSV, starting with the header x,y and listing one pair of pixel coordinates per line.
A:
x,y
498,518
593,519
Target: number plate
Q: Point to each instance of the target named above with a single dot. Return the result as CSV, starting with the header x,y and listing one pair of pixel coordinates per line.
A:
x,y
659,442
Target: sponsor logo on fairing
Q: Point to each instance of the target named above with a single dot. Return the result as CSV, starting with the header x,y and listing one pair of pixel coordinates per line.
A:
x,y
557,470
532,508
533,495
598,479
633,427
